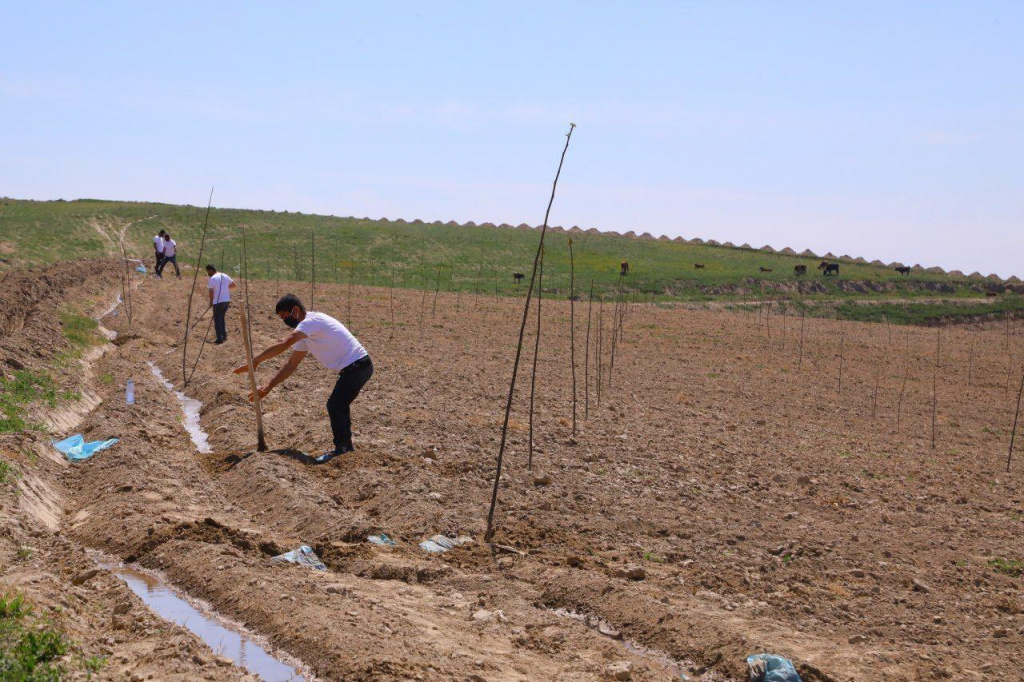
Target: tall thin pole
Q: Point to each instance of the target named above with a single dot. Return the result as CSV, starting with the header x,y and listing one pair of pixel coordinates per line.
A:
x,y
261,443
312,269
489,535
1013,432
572,330
536,353
586,358
195,277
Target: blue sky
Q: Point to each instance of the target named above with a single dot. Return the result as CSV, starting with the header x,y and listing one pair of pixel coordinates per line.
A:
x,y
879,129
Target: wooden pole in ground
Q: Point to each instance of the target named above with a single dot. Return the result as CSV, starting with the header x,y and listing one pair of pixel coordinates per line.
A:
x,y
261,444
437,288
536,354
586,358
842,346
1013,432
312,269
600,346
935,381
803,314
572,331
489,535
195,277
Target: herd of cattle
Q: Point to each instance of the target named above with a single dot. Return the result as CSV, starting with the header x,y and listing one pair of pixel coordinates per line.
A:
x,y
827,269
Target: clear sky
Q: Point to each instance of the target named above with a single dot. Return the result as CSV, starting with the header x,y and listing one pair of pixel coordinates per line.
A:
x,y
878,129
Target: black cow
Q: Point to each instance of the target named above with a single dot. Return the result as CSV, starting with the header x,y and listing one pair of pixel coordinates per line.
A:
x,y
904,270
831,269
698,266
799,270
764,269
518,277
623,269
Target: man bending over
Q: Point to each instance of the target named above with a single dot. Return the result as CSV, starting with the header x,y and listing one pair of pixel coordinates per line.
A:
x,y
333,345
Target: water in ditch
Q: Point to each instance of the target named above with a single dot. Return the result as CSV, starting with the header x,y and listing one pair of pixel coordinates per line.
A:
x,y
225,642
191,408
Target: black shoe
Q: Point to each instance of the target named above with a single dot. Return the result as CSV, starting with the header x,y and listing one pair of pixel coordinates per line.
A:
x,y
327,457
219,341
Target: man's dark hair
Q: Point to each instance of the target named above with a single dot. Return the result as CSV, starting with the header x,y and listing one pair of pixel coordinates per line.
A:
x,y
287,302
209,266
161,233
167,235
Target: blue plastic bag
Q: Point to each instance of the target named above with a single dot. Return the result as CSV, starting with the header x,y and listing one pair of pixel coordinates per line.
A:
x,y
304,556
141,268
771,668
77,450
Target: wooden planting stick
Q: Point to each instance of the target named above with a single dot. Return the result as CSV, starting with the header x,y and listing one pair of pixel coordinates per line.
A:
x,y
261,443
572,331
586,358
803,314
489,535
1013,432
935,380
437,287
536,353
195,277
312,269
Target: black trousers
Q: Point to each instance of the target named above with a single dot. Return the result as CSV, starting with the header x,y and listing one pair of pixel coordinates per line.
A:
x,y
220,311
159,260
165,261
350,381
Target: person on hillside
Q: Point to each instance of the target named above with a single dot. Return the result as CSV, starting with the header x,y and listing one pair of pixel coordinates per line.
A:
x,y
220,286
170,256
158,251
336,348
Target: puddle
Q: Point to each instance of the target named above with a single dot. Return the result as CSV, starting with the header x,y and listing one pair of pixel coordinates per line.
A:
x,y
686,670
191,407
239,648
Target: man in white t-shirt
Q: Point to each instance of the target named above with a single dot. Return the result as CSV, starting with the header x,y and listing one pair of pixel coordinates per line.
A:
x,y
333,345
158,251
170,256
220,286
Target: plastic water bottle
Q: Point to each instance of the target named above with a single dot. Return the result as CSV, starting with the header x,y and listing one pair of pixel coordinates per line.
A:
x,y
129,393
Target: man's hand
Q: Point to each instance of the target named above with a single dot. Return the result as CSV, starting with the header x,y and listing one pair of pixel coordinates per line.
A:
x,y
242,369
263,393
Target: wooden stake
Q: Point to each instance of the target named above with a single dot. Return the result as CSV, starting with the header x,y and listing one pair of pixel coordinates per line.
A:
x,y
1013,432
261,443
572,331
935,380
489,535
195,277
536,354
586,358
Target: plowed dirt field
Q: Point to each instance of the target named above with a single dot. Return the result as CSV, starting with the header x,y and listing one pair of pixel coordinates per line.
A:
x,y
729,494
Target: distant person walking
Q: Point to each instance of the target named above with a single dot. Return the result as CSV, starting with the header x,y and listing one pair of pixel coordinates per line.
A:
x,y
220,286
158,251
170,256
336,349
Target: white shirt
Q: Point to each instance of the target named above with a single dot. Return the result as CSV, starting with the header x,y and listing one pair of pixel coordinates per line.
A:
x,y
169,245
158,243
219,284
329,341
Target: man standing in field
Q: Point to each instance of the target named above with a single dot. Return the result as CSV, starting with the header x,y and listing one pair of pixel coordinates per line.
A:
x,y
158,251
333,345
170,256
220,286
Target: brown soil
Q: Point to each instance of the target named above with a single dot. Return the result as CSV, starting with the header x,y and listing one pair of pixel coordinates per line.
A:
x,y
768,511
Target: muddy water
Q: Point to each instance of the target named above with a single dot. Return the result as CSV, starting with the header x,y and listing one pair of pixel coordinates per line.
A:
x,y
169,606
191,407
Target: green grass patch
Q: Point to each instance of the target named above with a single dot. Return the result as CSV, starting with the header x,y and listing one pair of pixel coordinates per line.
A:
x,y
30,649
25,388
1010,567
80,331
931,313
8,473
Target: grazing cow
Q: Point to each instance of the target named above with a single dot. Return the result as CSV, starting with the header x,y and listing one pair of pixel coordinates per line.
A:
x,y
698,266
623,269
799,270
831,269
904,270
518,277
991,294
764,269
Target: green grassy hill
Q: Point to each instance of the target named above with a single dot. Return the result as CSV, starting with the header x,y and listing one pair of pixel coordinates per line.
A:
x,y
467,256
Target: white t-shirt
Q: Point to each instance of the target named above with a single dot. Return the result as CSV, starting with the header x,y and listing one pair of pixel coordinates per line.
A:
x,y
158,243
329,341
169,247
219,284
